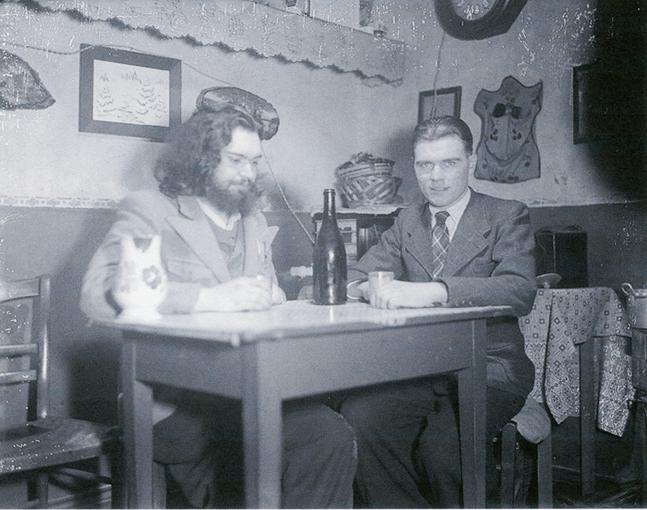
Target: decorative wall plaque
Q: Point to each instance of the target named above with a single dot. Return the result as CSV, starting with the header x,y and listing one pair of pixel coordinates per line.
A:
x,y
507,151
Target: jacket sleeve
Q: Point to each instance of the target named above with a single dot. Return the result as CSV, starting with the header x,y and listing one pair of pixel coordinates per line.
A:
x,y
512,279
386,255
96,296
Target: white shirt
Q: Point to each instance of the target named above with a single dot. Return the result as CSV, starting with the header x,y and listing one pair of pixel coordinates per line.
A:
x,y
217,216
455,211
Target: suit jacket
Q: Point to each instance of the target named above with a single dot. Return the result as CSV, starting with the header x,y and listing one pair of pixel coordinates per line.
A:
x,y
490,261
190,254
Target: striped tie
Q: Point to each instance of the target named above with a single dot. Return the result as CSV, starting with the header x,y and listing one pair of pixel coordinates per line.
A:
x,y
439,243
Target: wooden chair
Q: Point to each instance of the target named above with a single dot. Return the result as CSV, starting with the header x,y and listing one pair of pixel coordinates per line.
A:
x,y
30,439
526,420
533,424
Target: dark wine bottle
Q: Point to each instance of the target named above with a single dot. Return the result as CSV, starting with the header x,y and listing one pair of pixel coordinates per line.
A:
x,y
329,258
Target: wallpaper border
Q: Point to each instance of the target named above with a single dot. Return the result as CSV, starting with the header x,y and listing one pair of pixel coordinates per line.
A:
x,y
109,203
59,202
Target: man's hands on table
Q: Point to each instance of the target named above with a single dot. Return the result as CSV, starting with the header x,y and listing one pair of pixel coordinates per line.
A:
x,y
399,294
240,294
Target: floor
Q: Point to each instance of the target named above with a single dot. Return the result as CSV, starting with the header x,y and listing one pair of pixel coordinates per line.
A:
x,y
616,478
616,483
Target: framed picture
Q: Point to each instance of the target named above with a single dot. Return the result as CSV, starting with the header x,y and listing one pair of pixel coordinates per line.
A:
x,y
607,103
439,102
127,93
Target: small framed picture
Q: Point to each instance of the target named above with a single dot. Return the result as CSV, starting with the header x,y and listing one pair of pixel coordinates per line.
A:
x,y
127,93
435,103
607,103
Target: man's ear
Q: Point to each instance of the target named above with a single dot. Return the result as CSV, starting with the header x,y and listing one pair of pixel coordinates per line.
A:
x,y
472,163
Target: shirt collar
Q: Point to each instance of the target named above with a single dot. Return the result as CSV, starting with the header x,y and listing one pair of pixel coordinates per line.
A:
x,y
456,209
217,216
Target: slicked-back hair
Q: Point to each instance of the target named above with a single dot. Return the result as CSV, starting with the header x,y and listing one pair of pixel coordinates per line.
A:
x,y
194,150
438,127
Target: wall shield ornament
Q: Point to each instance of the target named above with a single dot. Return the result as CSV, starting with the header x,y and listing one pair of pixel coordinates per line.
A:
x,y
507,151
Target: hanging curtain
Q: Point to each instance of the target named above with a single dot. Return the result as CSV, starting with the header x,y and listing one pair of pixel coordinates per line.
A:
x,y
243,25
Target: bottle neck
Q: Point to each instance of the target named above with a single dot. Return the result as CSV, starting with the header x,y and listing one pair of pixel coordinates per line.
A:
x,y
329,204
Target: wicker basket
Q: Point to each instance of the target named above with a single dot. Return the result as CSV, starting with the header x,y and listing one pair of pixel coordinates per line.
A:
x,y
366,180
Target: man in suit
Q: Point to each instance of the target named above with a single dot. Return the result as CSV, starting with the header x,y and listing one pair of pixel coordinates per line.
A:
x,y
456,248
216,250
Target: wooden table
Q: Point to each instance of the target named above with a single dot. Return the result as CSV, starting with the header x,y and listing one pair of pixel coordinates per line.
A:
x,y
291,351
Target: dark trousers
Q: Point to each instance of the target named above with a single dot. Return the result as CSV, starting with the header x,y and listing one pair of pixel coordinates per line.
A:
x,y
409,445
201,446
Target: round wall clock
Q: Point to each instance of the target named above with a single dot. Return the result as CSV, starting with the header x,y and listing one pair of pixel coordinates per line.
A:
x,y
477,19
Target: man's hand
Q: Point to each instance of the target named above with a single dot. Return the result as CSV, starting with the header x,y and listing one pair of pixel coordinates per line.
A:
x,y
237,295
398,294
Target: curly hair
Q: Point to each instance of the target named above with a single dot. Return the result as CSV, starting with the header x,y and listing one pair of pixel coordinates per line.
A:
x,y
438,127
194,150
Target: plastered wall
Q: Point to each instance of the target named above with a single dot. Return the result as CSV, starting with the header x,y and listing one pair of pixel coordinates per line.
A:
x,y
44,154
545,42
325,115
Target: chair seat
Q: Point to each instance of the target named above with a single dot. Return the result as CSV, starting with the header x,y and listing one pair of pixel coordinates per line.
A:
x,y
51,441
533,422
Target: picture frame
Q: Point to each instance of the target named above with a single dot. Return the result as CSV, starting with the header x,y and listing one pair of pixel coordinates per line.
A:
x,y
607,103
127,93
447,102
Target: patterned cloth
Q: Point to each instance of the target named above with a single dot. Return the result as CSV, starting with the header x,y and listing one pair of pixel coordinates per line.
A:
x,y
562,318
439,243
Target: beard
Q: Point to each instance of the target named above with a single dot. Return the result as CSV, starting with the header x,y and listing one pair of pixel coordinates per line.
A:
x,y
241,198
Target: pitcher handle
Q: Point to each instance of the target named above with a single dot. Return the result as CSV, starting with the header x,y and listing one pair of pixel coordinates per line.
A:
x,y
628,289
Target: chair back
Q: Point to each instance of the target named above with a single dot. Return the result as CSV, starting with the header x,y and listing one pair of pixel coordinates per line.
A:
x,y
24,312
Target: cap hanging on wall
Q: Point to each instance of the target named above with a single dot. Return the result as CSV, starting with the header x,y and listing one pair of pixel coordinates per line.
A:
x,y
265,115
20,85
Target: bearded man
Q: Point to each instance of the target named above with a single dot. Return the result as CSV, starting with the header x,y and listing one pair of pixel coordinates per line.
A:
x,y
216,249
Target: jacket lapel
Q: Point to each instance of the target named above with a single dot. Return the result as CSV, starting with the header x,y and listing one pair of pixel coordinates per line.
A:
x,y
470,237
419,234
192,225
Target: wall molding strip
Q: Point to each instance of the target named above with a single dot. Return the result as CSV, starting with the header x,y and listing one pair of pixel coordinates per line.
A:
x,y
60,202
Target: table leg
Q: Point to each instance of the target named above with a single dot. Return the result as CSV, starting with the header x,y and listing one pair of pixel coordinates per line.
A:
x,y
472,419
262,428
587,418
137,426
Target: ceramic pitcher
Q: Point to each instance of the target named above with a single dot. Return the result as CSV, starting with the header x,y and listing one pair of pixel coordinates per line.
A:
x,y
141,284
636,305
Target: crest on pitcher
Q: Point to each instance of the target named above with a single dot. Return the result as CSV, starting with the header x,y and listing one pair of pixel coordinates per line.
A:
x,y
141,283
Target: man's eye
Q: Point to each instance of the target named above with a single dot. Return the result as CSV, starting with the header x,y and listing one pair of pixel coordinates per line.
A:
x,y
449,164
425,165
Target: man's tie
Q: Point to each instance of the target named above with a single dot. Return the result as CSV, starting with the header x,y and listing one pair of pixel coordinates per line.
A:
x,y
439,243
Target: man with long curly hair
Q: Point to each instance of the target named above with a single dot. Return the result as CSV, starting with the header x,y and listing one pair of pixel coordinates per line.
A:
x,y
216,252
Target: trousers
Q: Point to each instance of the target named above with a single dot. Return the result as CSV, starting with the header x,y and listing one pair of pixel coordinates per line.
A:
x,y
409,444
200,445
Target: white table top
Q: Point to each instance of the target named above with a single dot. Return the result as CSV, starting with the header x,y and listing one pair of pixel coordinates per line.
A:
x,y
296,318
